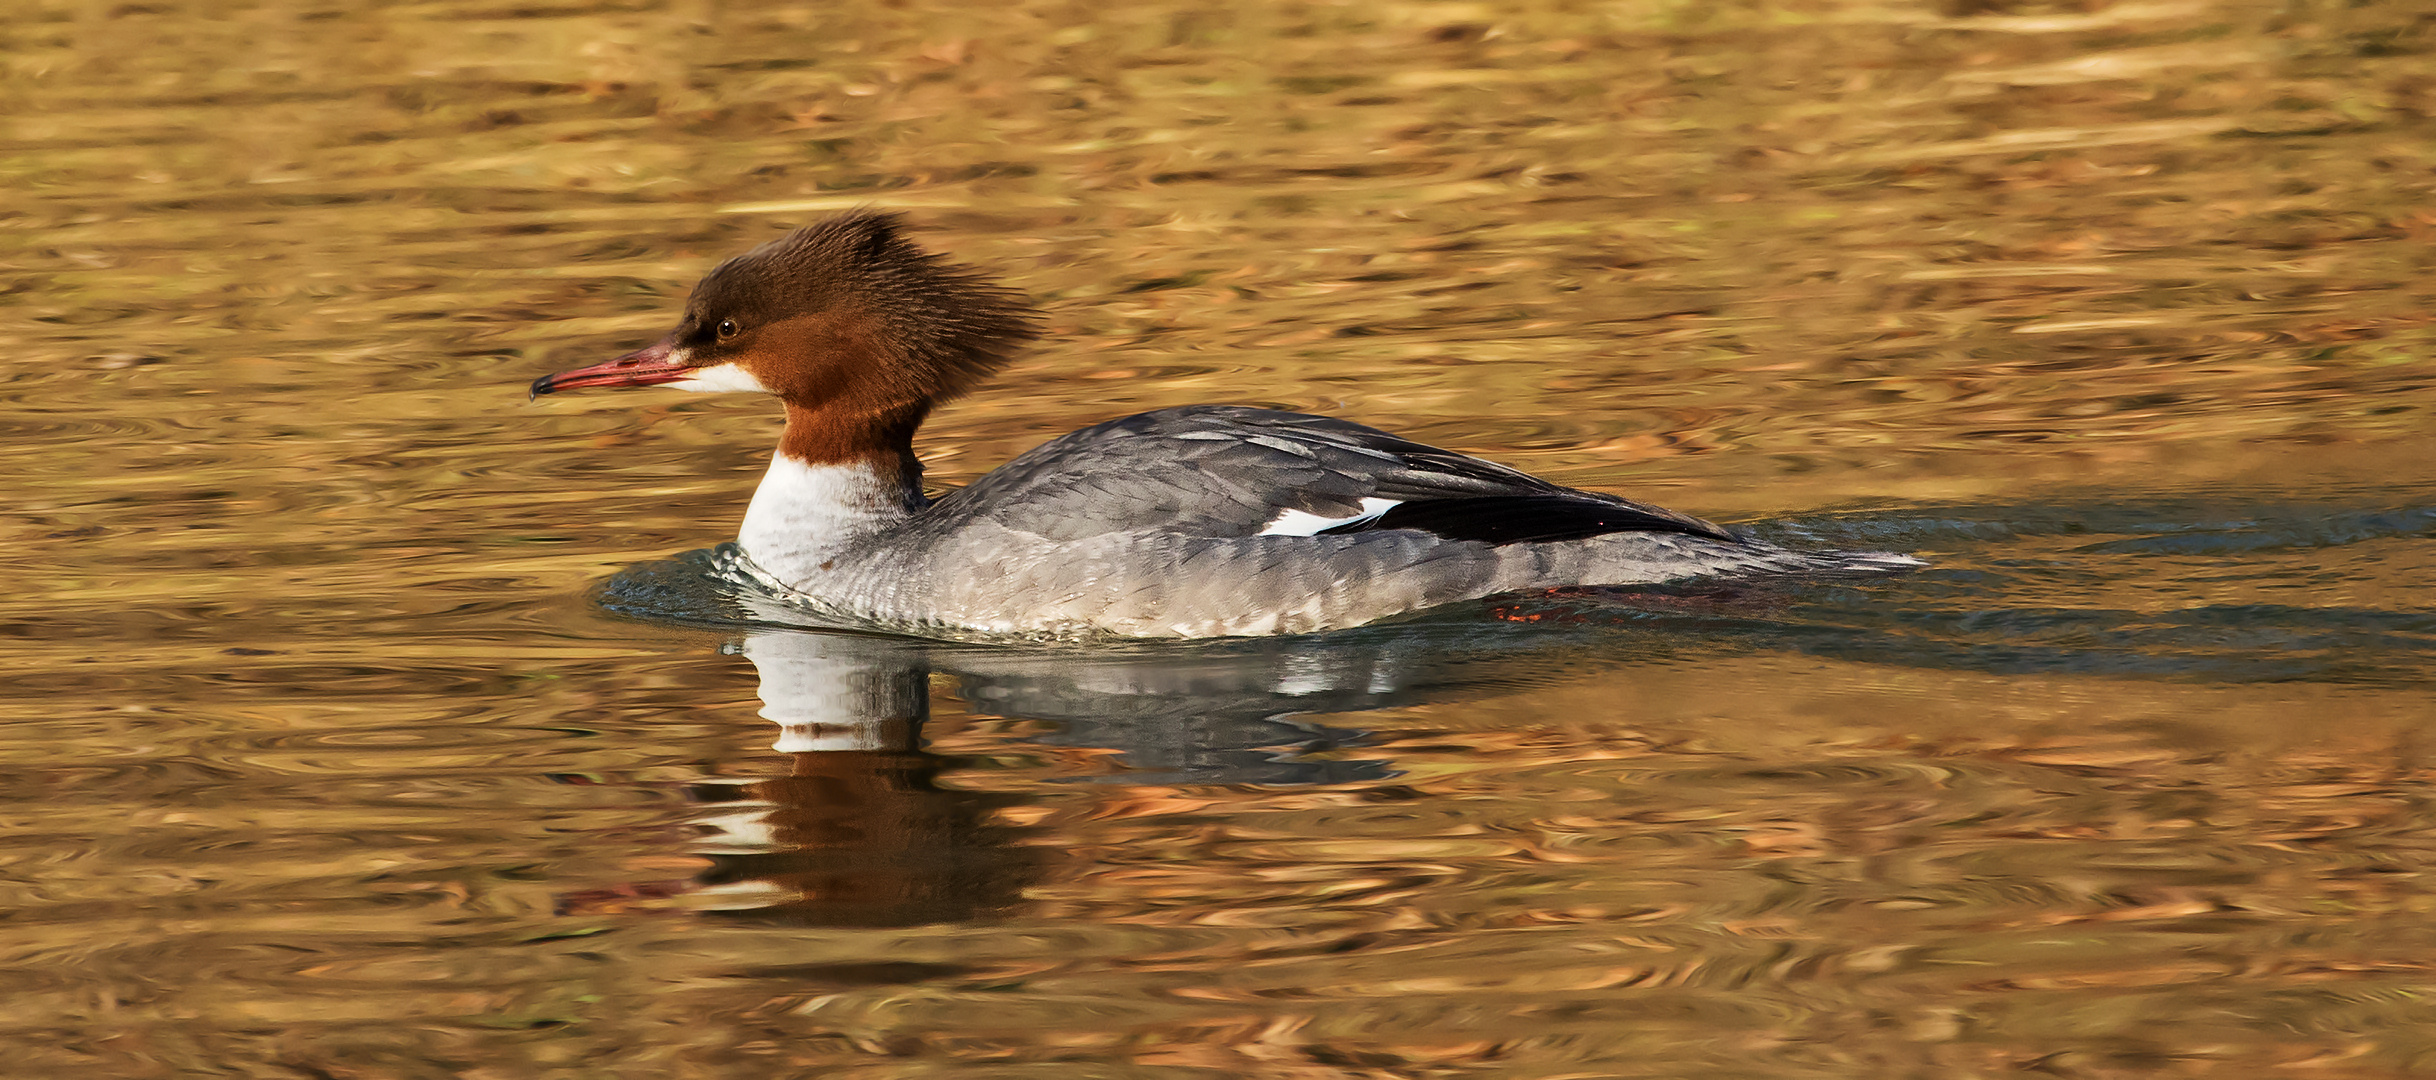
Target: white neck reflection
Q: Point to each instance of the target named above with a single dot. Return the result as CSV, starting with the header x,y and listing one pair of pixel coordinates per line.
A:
x,y
830,693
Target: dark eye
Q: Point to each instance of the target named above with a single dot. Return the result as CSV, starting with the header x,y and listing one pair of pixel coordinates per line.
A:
x,y
727,329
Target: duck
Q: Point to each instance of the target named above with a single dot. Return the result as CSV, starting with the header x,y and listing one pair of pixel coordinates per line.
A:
x,y
1203,521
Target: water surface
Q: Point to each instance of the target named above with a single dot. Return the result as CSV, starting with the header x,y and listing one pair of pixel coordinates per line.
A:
x,y
367,720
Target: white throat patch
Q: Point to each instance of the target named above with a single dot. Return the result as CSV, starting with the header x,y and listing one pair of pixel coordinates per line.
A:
x,y
721,378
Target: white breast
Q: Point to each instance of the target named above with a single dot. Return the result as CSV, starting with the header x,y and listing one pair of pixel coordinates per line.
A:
x,y
801,514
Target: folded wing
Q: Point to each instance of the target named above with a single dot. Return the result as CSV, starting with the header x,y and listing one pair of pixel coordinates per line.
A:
x,y
1225,471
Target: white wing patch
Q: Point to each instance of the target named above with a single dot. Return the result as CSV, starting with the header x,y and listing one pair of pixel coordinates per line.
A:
x,y
1300,523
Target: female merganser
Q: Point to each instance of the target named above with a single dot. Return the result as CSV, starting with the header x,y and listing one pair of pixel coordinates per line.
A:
x,y
1193,522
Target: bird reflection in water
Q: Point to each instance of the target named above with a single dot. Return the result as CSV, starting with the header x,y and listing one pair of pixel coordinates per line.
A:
x,y
859,832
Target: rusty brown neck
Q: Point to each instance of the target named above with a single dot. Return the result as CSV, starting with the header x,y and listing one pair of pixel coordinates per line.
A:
x,y
880,441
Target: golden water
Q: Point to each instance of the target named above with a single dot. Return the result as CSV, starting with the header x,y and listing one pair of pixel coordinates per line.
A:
x,y
330,754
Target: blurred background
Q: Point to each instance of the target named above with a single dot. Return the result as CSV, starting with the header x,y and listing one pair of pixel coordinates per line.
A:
x,y
346,739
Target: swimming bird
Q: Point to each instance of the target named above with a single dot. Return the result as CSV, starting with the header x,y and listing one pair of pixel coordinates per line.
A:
x,y
1193,522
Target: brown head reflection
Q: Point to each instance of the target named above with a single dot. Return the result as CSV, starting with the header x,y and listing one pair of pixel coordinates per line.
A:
x,y
859,832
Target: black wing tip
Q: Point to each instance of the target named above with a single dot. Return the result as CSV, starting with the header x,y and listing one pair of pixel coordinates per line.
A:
x,y
1499,520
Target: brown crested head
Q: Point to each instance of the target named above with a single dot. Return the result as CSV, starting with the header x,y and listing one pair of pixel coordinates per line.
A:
x,y
849,312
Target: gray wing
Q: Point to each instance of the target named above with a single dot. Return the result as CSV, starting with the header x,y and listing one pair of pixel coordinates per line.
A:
x,y
1227,471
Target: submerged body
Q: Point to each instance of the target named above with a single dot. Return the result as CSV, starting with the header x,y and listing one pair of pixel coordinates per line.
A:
x,y
1204,521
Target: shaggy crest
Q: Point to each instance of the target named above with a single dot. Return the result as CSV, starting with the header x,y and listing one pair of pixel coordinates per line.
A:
x,y
951,326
